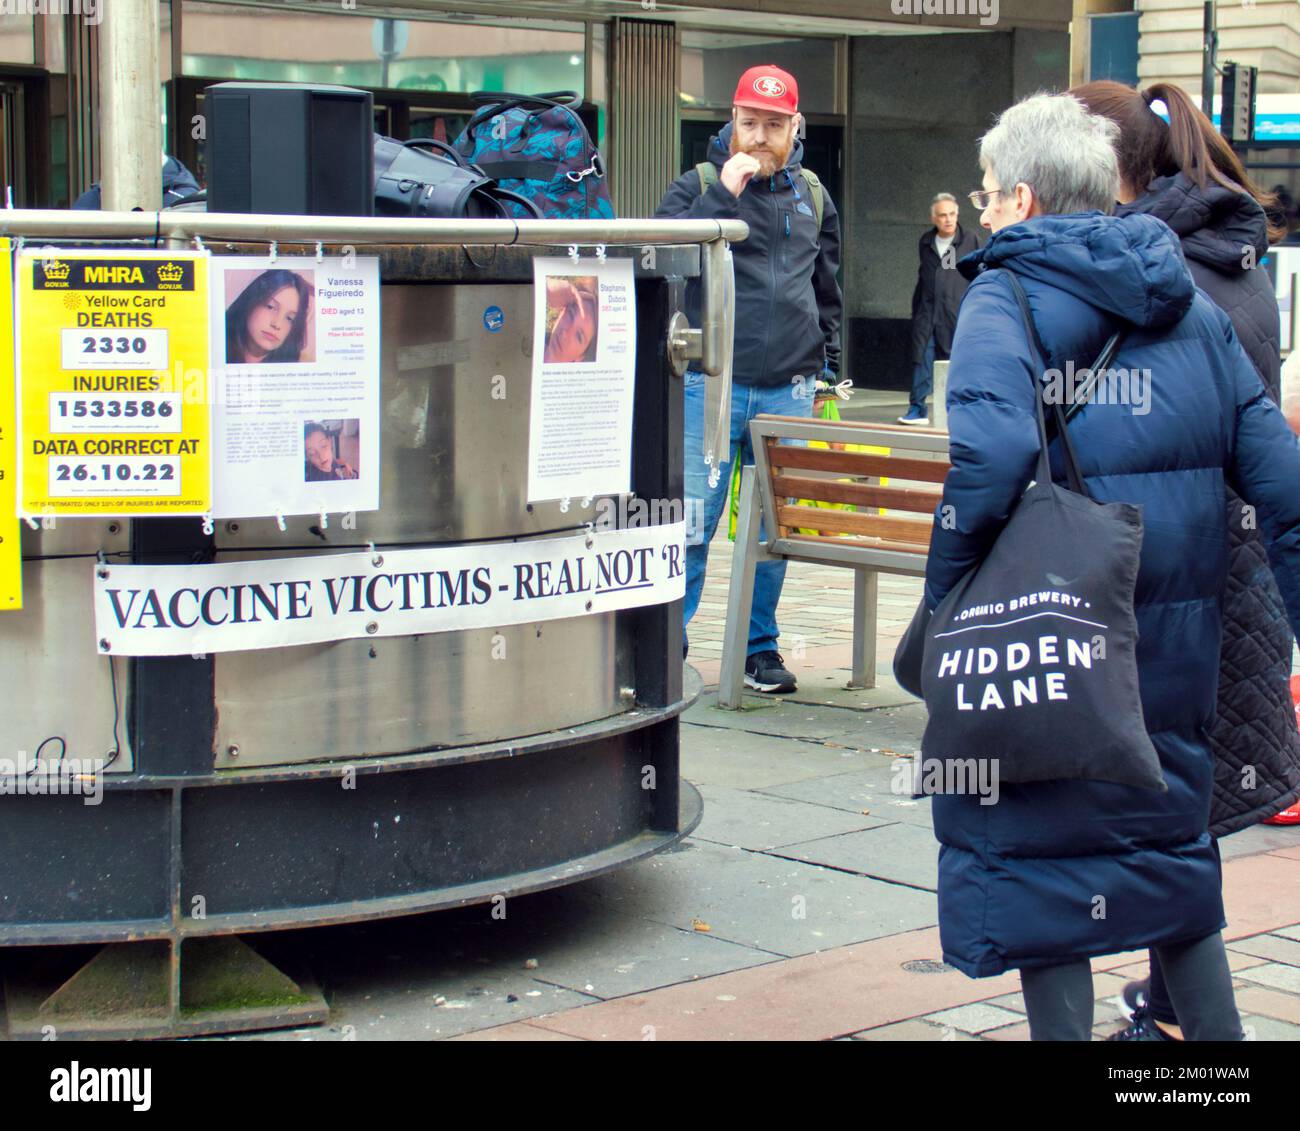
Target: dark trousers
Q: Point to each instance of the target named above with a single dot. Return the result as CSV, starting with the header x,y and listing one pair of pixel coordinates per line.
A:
x,y
1058,999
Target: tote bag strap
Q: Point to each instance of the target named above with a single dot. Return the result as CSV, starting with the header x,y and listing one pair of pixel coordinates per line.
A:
x,y
1072,474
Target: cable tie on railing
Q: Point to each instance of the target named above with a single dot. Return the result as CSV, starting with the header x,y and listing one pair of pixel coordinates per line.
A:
x,y
600,252
573,252
209,527
275,251
320,252
564,505
31,522
198,244
279,521
324,521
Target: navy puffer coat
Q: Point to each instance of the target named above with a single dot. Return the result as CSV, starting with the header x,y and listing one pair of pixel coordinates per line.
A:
x,y
1256,748
1058,871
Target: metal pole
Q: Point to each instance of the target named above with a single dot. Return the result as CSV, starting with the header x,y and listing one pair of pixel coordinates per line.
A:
x,y
130,106
1210,42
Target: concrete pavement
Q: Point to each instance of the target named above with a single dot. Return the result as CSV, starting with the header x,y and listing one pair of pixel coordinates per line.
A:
x,y
802,908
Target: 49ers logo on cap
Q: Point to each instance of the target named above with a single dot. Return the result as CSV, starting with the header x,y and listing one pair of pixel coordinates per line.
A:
x,y
768,87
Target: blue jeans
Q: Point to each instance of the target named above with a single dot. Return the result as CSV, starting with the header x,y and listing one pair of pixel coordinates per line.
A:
x,y
923,376
705,505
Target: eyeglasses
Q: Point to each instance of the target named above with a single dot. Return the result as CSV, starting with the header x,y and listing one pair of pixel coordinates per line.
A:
x,y
982,198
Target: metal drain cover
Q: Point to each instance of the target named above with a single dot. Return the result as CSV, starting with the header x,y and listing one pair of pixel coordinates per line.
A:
x,y
926,966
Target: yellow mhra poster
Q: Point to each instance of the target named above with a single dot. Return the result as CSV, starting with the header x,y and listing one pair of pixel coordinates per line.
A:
x,y
11,557
113,392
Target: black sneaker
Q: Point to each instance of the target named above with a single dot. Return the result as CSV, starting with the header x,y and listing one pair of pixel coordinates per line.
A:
x,y
1142,1027
765,671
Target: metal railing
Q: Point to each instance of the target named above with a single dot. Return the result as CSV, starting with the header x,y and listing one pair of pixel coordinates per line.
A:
x,y
177,228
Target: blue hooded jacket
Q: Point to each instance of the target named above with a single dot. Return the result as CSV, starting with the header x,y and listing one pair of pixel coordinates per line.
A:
x,y
1058,871
788,303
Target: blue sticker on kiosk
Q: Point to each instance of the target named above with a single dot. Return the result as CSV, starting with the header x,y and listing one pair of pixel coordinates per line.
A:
x,y
494,319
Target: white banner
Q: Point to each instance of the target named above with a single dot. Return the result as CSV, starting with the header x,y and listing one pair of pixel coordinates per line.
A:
x,y
177,610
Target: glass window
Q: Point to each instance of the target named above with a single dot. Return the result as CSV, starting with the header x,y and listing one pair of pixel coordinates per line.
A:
x,y
16,43
437,124
712,61
227,42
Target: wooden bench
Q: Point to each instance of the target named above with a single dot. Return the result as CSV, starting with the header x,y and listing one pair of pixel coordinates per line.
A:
x,y
904,480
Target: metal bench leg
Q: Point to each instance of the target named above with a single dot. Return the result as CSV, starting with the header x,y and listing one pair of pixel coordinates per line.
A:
x,y
740,595
866,588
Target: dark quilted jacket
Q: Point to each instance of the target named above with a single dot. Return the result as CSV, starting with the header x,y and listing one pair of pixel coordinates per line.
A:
x,y
1256,747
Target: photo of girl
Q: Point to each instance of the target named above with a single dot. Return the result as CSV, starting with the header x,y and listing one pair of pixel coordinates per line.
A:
x,y
268,317
572,318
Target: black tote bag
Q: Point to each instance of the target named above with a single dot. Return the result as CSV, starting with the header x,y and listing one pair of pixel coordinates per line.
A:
x,y
1030,661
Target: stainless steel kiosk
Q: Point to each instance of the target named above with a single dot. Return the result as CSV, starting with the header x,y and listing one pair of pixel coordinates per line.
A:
x,y
474,776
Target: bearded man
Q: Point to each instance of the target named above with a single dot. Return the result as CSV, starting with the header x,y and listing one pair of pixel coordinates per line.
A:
x,y
788,311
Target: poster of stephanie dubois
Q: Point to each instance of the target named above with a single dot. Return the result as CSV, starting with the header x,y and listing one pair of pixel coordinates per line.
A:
x,y
295,369
584,356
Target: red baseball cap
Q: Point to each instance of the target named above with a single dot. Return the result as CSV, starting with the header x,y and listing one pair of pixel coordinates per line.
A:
x,y
768,88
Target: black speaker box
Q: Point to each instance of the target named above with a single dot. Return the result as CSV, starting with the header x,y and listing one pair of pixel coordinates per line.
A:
x,y
290,148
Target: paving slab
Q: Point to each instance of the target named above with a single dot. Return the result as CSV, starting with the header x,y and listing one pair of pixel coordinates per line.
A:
x,y
1260,893
896,728
757,822
1291,932
978,1017
632,955
868,788
1269,946
783,907
1274,975
1269,1029
521,1031
902,854
1259,838
814,997
726,757
1269,1003
917,1029
1010,1033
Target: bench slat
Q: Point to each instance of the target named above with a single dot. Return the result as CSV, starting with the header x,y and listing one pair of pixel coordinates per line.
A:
x,y
858,494
856,463
830,521
842,541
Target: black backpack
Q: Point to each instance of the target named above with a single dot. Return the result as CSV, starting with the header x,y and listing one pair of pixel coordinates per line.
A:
x,y
441,184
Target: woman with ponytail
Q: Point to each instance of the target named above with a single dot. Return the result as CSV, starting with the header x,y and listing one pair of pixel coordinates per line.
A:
x,y
1176,167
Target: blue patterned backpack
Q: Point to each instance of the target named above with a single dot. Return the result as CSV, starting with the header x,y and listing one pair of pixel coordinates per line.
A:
x,y
537,146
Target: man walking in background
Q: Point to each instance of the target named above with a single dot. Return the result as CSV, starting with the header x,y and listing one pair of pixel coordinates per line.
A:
x,y
939,287
788,310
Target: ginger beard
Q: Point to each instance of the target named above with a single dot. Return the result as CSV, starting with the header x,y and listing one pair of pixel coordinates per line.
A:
x,y
771,158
